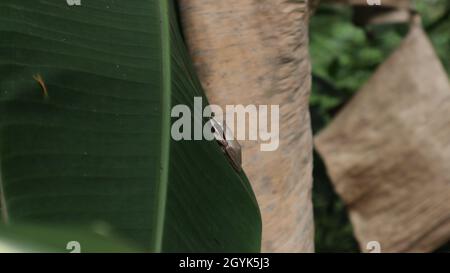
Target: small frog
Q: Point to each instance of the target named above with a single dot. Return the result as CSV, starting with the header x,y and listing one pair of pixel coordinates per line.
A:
x,y
230,146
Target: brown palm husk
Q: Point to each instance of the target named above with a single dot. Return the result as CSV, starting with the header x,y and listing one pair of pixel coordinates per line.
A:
x,y
388,151
384,3
389,12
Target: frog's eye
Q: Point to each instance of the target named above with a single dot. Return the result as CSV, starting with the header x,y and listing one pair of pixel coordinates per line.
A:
x,y
216,129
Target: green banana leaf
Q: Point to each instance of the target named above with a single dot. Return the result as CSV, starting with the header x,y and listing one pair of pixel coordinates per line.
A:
x,y
39,239
85,99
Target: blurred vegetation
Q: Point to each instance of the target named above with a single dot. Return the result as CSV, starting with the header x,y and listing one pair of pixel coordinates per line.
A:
x,y
344,56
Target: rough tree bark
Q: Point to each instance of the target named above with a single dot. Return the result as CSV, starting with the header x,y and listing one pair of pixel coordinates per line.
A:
x,y
256,52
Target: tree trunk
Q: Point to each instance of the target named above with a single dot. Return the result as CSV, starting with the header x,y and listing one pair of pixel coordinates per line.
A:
x,y
256,52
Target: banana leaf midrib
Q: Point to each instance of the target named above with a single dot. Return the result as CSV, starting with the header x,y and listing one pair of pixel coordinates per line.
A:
x,y
165,135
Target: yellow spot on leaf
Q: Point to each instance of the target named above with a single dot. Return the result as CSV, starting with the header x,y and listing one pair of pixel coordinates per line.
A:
x,y
41,83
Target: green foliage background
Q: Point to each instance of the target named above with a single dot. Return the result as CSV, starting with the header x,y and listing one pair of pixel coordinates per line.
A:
x,y
344,56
